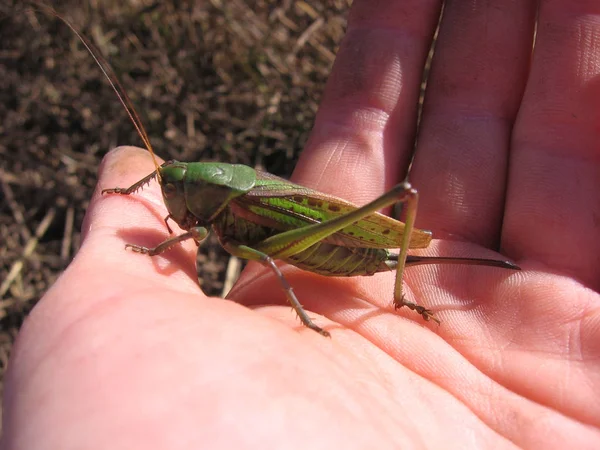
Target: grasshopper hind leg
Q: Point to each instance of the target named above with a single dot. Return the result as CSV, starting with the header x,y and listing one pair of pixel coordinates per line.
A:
x,y
409,197
427,314
414,260
243,251
291,242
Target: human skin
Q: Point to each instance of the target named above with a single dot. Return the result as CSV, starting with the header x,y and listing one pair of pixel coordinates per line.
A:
x,y
125,351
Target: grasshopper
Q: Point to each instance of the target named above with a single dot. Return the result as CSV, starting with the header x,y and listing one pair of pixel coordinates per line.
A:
x,y
261,217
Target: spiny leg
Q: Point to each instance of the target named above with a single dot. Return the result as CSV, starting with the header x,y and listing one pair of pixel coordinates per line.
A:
x,y
291,242
198,234
137,185
131,189
245,252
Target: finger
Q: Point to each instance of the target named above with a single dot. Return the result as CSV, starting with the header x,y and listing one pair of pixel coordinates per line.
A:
x,y
477,78
553,205
365,126
113,220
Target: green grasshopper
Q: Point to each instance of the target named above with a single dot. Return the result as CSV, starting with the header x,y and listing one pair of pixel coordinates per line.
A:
x,y
261,217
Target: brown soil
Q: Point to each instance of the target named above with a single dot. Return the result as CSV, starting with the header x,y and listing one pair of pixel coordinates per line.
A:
x,y
235,81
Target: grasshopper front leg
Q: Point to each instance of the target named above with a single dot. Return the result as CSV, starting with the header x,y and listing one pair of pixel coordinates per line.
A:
x,y
198,234
131,189
294,241
137,185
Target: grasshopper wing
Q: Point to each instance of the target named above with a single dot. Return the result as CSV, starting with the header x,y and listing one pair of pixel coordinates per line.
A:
x,y
285,205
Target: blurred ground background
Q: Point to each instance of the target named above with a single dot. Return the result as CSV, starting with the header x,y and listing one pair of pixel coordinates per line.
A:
x,y
222,80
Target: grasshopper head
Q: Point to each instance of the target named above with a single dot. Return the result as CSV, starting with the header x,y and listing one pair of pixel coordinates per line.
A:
x,y
196,193
172,177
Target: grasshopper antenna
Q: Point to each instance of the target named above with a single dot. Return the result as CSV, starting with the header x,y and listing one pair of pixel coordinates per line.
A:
x,y
112,78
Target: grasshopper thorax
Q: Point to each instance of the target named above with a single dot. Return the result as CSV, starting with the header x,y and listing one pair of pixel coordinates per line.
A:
x,y
195,193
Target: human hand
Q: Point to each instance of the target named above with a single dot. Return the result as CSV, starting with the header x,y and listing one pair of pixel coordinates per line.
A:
x,y
125,351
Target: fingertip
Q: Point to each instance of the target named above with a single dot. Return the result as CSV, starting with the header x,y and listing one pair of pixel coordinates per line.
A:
x,y
114,220
121,168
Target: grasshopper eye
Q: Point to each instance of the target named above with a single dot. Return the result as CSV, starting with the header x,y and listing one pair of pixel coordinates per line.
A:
x,y
169,190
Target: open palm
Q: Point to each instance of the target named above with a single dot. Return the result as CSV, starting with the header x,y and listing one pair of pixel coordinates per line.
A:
x,y
126,352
